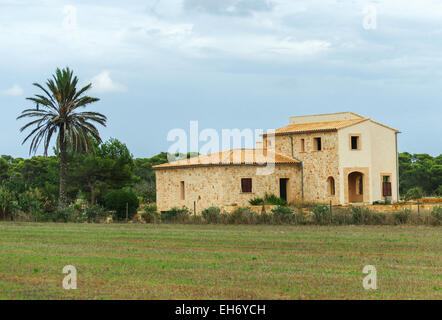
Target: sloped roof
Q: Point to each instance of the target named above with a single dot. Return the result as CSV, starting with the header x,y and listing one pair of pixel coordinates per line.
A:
x,y
321,126
317,126
231,157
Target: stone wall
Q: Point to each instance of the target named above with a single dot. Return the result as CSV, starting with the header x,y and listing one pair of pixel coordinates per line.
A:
x,y
318,165
220,186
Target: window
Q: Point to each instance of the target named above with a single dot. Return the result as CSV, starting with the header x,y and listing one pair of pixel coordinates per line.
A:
x,y
386,186
246,185
355,142
302,145
331,186
318,144
182,192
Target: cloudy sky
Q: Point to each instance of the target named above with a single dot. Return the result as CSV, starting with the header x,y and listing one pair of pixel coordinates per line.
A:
x,y
158,64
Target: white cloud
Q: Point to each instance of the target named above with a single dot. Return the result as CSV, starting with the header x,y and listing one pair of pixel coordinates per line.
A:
x,y
102,82
15,90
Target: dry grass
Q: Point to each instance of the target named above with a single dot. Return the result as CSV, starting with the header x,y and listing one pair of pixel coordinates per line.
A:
x,y
219,262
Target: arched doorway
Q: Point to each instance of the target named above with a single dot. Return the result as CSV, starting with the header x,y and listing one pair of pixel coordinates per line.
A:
x,y
356,187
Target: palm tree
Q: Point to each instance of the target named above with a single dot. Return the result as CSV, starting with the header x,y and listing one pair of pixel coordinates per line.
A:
x,y
57,111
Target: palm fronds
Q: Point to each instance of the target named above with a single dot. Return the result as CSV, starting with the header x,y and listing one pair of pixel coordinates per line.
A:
x,y
56,112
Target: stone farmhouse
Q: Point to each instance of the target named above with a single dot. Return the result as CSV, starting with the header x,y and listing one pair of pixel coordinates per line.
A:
x,y
341,157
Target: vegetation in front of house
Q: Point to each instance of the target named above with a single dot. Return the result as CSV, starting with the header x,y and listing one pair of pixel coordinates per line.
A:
x,y
123,202
175,261
320,215
268,199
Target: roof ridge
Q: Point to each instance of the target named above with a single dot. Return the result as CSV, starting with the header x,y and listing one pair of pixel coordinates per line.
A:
x,y
320,126
252,156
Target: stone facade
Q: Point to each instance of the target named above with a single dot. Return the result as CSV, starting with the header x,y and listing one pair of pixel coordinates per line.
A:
x,y
319,166
220,186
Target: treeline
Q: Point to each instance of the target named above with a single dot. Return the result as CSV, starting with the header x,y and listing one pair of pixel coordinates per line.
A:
x,y
420,175
32,184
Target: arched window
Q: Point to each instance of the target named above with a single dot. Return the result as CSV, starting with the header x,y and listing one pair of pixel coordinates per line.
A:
x,y
331,186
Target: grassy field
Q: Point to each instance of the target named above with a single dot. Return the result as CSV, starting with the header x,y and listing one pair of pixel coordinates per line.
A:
x,y
131,261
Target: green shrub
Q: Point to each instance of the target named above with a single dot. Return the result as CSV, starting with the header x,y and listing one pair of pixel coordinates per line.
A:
x,y
243,216
31,202
402,217
150,214
378,218
301,218
271,199
282,214
414,193
6,202
256,201
67,214
150,208
264,218
151,217
180,215
436,213
117,200
367,217
321,213
360,215
96,213
212,215
342,216
196,219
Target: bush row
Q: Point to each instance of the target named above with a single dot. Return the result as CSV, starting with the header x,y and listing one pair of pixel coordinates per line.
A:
x,y
31,206
285,215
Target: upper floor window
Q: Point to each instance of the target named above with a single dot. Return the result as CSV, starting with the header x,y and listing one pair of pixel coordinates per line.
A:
x,y
355,142
302,145
246,185
318,144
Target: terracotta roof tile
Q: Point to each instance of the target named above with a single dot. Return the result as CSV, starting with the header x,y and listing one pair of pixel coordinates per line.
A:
x,y
317,126
232,157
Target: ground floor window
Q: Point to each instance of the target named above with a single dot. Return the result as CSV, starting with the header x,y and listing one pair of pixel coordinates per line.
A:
x,y
386,186
182,190
331,186
246,185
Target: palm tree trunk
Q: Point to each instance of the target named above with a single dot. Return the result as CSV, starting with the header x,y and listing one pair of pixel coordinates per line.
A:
x,y
62,199
92,189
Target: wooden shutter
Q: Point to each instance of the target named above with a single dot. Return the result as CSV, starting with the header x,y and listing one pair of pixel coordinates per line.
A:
x,y
246,185
386,189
